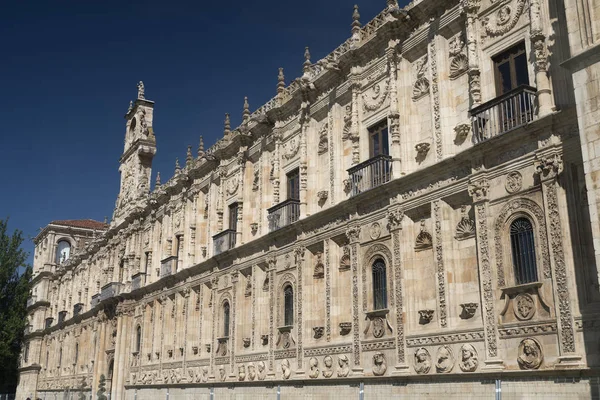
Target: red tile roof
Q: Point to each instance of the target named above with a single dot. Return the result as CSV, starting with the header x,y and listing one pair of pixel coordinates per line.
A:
x,y
82,223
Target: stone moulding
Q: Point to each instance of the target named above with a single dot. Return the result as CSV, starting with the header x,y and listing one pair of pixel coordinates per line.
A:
x,y
457,337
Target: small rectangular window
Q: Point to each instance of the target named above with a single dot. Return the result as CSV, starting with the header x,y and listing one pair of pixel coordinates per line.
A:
x,y
233,216
378,135
293,185
511,69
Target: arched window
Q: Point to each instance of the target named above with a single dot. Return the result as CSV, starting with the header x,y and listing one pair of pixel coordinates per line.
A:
x,y
288,306
523,251
379,285
226,312
76,352
60,358
138,338
111,368
63,250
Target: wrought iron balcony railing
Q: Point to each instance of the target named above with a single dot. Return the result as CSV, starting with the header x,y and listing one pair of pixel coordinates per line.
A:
x,y
168,266
138,280
508,111
369,174
110,290
224,241
283,214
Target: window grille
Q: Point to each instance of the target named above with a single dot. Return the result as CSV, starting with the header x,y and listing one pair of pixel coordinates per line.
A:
x,y
226,319
379,285
523,251
288,294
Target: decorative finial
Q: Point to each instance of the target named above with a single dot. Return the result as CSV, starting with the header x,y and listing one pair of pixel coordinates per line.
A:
x,y
105,220
356,19
307,62
141,90
201,147
280,81
246,114
130,107
392,4
177,167
227,129
157,183
188,157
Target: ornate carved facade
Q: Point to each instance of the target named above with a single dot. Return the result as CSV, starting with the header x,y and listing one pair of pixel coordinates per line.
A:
x,y
399,210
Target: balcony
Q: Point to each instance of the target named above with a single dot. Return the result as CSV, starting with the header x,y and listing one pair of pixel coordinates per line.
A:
x,y
48,323
168,266
77,309
283,214
95,300
31,301
370,174
110,290
508,111
224,241
61,317
138,280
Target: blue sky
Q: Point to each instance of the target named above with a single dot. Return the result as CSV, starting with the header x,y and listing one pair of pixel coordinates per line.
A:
x,y
69,68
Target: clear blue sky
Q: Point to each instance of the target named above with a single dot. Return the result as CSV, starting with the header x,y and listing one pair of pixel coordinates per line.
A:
x,y
68,70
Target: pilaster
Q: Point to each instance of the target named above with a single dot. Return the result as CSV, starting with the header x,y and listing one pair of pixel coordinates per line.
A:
x,y
353,235
394,112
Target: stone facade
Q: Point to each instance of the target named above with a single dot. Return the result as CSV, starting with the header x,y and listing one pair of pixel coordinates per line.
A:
x,y
355,230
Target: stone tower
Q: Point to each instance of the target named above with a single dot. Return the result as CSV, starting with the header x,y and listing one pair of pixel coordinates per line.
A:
x,y
136,161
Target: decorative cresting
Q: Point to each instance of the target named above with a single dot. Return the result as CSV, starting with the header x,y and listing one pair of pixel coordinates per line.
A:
x,y
439,260
478,190
503,19
530,208
353,235
548,167
530,354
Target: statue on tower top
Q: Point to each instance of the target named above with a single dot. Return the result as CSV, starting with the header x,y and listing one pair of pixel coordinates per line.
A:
x,y
141,89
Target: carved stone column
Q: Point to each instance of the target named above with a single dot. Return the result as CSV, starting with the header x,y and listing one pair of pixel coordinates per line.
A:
x,y
304,123
355,86
271,274
220,197
440,270
538,45
395,218
299,253
240,215
394,113
213,349
548,167
275,179
234,282
327,261
353,234
478,190
185,312
434,87
470,8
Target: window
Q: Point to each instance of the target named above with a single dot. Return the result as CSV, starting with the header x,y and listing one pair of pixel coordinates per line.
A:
x,y
60,358
523,251
63,250
511,69
293,185
379,285
26,353
111,368
121,270
378,140
76,353
233,216
138,339
288,306
226,312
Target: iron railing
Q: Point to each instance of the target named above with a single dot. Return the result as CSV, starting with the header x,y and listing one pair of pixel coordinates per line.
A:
x,y
224,241
283,214
369,174
168,266
95,300
508,111
138,280
77,308
110,290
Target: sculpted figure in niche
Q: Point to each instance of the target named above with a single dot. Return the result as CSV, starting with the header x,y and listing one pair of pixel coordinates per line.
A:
x,y
285,369
222,373
468,358
530,354
242,372
422,361
251,372
328,371
379,366
261,371
205,374
314,369
344,367
445,359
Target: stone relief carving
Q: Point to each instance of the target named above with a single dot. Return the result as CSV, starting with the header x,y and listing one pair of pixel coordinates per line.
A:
x,y
285,369
504,19
345,328
318,332
514,182
323,139
290,149
241,372
424,240
421,85
465,229
256,178
461,131
344,364
251,372
445,359
319,271
262,373
530,354
468,310
439,258
458,58
379,365
378,96
222,373
468,358
375,230
422,361
425,316
314,368
524,306
328,370
345,259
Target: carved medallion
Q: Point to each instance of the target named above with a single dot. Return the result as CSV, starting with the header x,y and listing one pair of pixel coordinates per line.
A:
x,y
524,306
314,368
530,354
444,359
328,362
285,369
422,361
375,230
378,327
379,366
514,182
468,358
343,363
